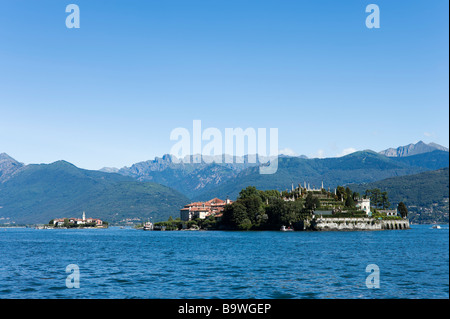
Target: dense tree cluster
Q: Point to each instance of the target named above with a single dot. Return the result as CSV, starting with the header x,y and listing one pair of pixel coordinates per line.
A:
x,y
256,209
378,199
270,209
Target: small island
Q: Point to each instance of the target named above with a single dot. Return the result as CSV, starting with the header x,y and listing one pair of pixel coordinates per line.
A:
x,y
302,208
82,222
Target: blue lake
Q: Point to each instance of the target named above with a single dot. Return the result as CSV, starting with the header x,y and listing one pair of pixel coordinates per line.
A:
x,y
128,263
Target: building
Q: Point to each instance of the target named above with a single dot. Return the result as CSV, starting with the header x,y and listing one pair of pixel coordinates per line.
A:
x,y
364,204
389,212
203,210
78,221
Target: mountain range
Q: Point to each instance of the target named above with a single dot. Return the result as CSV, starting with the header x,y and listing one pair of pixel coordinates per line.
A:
x,y
413,149
358,167
159,188
191,175
204,180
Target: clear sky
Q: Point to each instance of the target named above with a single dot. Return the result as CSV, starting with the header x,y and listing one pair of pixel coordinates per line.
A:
x,y
110,92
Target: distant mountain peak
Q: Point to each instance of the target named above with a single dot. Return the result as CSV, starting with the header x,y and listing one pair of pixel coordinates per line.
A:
x,y
6,157
62,163
439,147
109,170
8,167
413,149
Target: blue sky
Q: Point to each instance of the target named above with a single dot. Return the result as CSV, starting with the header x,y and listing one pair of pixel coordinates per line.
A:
x,y
110,93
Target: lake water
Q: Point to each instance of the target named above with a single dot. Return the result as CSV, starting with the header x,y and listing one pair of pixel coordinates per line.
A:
x,y
128,263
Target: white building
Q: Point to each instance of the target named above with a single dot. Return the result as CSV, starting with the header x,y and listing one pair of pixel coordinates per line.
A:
x,y
364,204
389,212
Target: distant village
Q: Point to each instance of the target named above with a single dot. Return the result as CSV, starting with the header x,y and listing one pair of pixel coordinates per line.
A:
x,y
82,222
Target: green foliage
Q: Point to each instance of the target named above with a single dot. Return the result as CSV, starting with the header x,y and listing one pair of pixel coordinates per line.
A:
x,y
269,195
402,209
249,192
171,224
311,202
254,209
246,224
262,210
239,213
281,213
426,194
349,202
341,193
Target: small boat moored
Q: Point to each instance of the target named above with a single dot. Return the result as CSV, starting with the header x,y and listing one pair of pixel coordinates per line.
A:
x,y
283,228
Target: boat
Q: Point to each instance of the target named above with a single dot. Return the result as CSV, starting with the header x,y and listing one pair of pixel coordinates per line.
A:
x,y
148,226
283,228
436,227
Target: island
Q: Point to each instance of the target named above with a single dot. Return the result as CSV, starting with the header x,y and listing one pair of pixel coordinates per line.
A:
x,y
302,208
82,222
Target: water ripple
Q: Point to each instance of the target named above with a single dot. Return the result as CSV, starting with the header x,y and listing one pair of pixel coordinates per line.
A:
x,y
136,264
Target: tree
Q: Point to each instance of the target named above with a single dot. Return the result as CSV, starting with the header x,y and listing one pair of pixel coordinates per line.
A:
x,y
275,211
280,213
311,202
375,196
385,200
66,222
340,193
402,209
246,224
250,191
253,207
234,214
349,202
348,192
268,195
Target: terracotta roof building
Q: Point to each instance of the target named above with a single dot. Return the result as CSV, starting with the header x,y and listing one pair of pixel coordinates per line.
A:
x,y
203,210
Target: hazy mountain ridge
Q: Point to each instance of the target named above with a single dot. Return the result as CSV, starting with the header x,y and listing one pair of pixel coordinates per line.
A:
x,y
192,173
203,180
430,160
413,149
358,167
